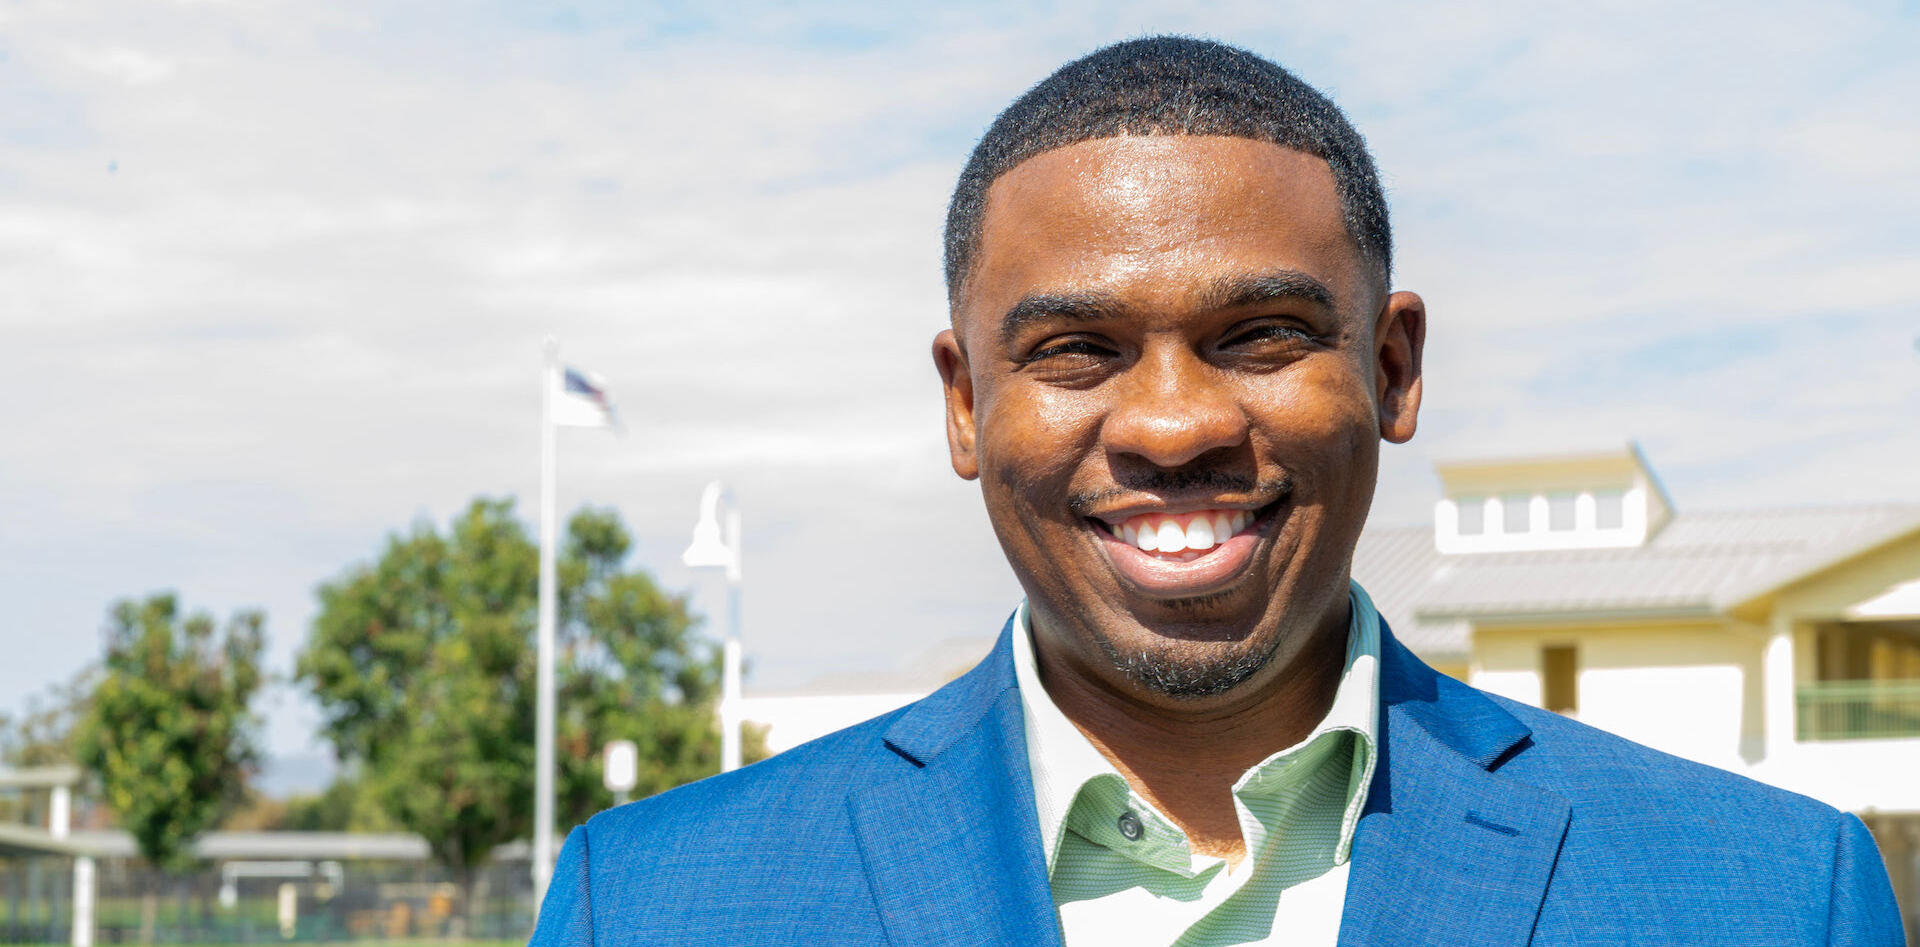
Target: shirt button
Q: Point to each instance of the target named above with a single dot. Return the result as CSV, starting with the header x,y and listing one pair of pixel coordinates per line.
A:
x,y
1130,826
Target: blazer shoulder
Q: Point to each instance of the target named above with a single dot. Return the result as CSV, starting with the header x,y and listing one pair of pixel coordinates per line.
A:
x,y
1704,846
1602,772
676,867
802,795
808,781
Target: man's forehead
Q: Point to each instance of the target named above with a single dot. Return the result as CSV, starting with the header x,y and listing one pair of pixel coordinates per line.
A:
x,y
1149,212
1113,174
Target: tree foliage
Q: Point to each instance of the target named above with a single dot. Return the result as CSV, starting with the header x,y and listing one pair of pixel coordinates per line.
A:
x,y
44,734
423,663
346,805
168,733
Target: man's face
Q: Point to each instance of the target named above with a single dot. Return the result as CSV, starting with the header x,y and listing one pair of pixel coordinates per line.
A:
x,y
1170,369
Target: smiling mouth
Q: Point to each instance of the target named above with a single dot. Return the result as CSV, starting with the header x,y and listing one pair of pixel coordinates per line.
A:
x,y
1168,555
1182,537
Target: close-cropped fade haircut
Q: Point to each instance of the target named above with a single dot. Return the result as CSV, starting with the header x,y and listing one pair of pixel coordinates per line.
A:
x,y
1170,85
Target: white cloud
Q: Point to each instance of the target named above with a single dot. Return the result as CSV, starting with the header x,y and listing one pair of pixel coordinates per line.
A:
x,y
305,304
129,66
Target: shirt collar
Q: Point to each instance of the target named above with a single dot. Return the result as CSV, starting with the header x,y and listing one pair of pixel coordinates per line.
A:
x,y
1062,760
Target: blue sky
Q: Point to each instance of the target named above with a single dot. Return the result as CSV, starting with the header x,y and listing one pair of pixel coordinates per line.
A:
x,y
276,276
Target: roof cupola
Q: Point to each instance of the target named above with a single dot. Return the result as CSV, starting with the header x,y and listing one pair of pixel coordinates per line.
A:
x,y
1585,500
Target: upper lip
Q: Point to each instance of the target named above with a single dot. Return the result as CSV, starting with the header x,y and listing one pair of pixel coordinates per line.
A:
x,y
1116,512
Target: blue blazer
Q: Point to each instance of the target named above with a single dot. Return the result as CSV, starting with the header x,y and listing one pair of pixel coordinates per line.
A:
x,y
1489,823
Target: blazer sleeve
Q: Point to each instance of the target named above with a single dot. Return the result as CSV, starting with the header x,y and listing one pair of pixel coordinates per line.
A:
x,y
566,916
1862,911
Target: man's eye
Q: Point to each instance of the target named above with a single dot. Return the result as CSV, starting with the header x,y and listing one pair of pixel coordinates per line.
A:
x,y
1270,332
1080,347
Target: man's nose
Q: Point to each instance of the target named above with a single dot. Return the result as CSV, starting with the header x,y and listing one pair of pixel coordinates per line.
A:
x,y
1171,408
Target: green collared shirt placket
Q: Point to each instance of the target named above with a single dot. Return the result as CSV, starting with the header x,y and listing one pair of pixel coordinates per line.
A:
x,y
1121,872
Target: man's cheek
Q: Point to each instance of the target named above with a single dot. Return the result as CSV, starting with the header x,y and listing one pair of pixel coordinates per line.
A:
x,y
1034,451
1322,407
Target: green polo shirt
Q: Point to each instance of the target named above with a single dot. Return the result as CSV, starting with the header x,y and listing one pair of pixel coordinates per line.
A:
x,y
1122,873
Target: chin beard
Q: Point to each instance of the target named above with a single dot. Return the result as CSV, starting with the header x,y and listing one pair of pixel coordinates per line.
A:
x,y
1185,676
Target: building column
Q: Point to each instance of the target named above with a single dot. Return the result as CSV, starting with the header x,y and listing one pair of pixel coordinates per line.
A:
x,y
83,901
1778,690
60,812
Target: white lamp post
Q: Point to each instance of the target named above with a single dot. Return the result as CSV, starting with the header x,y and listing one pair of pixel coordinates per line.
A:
x,y
713,548
620,769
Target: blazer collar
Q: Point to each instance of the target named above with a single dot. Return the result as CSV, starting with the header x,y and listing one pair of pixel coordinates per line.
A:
x,y
948,832
930,726
1448,850
1456,716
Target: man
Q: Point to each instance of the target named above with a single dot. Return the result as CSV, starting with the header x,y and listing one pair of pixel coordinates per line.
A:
x,y
1172,359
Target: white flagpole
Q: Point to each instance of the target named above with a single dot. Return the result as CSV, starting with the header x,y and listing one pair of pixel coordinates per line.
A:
x,y
543,852
730,661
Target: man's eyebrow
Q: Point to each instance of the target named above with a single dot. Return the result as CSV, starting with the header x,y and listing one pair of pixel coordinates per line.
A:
x,y
1235,291
1065,307
1226,293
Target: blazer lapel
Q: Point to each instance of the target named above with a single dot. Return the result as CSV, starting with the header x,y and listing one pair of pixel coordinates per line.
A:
x,y
949,835
1447,851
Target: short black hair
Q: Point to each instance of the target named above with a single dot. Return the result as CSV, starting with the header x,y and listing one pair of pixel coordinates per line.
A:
x,y
1170,85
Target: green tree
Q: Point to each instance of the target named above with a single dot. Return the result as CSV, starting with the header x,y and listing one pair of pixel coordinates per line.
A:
x,y
346,805
423,663
631,668
168,733
43,736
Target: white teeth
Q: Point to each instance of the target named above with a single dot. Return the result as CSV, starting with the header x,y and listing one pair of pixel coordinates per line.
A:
x,y
1200,533
1172,537
1162,533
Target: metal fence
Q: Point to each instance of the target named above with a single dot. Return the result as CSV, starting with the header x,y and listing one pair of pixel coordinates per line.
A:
x,y
1859,710
337,901
36,899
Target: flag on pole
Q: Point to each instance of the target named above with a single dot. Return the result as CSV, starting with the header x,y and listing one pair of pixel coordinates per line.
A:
x,y
582,401
569,397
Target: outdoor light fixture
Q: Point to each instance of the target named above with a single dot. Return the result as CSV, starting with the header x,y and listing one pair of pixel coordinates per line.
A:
x,y
620,769
718,547
710,548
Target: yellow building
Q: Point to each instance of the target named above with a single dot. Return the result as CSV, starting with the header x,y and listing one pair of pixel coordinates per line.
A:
x,y
1783,644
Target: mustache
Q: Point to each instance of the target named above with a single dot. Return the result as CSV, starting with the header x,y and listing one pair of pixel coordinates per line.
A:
x,y
1174,482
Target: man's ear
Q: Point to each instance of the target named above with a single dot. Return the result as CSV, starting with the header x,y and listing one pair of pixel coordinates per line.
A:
x,y
951,359
1398,339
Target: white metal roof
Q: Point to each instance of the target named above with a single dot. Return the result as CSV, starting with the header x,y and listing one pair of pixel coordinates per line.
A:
x,y
39,777
1700,563
221,846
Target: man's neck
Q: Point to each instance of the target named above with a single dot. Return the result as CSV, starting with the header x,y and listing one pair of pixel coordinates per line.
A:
x,y
1186,760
